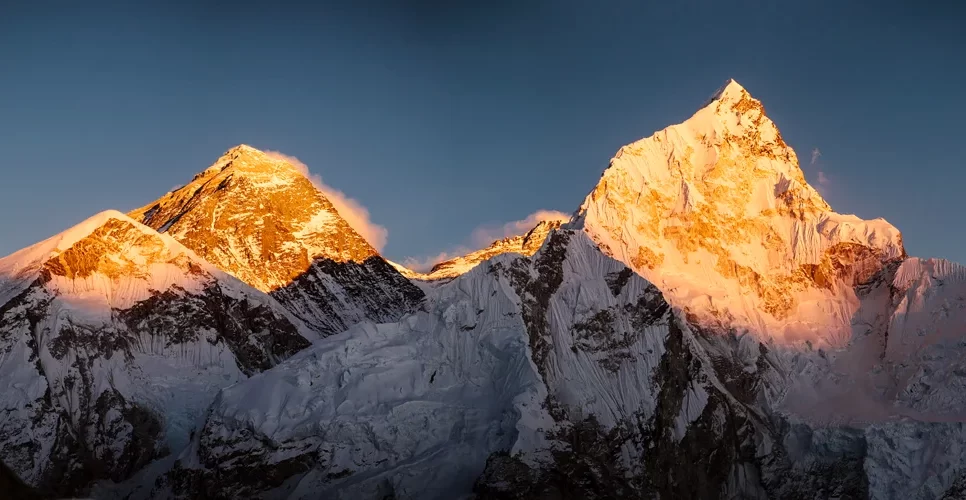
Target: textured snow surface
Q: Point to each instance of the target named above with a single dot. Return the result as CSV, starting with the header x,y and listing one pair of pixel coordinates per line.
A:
x,y
92,331
420,403
417,406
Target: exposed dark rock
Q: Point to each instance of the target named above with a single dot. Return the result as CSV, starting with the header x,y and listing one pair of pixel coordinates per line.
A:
x,y
616,281
97,434
373,289
587,466
15,489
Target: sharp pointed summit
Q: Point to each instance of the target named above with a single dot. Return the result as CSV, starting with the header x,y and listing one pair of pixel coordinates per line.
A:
x,y
718,209
731,90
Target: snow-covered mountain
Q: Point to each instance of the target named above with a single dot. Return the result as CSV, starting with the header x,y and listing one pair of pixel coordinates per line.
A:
x,y
705,327
113,341
258,217
524,244
717,213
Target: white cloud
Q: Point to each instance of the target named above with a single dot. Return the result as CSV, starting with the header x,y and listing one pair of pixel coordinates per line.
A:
x,y
354,213
483,236
823,180
816,154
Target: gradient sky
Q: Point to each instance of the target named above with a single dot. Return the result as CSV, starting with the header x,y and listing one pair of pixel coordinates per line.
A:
x,y
441,119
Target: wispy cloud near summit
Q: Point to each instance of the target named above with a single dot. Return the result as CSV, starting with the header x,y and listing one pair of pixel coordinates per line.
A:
x,y
354,213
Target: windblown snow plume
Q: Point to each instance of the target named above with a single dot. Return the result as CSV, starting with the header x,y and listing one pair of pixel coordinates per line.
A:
x,y
350,209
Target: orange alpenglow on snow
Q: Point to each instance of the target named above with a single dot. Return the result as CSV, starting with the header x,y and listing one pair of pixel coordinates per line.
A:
x,y
258,217
717,213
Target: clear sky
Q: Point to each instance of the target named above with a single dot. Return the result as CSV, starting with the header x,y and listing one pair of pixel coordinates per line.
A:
x,y
441,119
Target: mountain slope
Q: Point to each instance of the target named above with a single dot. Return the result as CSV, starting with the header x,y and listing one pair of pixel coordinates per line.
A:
x,y
776,349
717,213
256,216
507,357
561,376
113,340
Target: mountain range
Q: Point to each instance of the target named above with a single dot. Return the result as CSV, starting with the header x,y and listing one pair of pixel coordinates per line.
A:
x,y
703,326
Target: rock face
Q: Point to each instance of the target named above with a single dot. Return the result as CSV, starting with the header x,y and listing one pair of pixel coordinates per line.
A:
x,y
705,327
256,216
113,339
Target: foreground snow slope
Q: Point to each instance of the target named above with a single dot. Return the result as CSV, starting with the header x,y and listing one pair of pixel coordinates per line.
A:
x,y
415,408
564,374
113,340
257,216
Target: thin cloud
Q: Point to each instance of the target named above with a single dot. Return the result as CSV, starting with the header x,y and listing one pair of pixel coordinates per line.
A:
x,y
354,213
816,154
425,264
823,180
483,236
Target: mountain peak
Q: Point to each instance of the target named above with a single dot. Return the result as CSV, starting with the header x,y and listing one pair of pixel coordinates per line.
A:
x,y
256,215
102,251
730,91
40,252
720,200
248,161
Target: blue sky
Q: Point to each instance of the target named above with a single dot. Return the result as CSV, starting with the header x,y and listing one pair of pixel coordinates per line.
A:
x,y
440,119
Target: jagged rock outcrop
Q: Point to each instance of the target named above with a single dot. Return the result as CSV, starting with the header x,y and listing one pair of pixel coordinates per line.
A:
x,y
257,216
113,340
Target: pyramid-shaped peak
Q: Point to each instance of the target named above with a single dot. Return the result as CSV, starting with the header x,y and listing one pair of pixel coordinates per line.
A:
x,y
730,90
733,97
255,214
245,149
251,162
